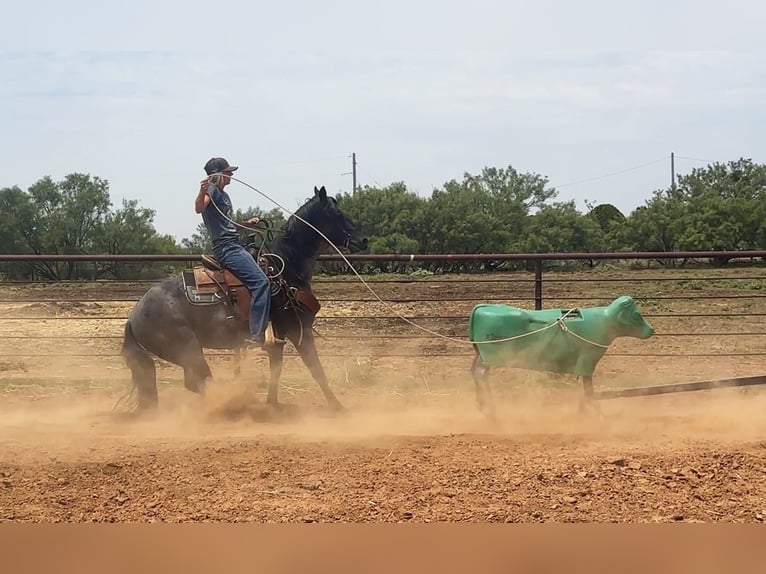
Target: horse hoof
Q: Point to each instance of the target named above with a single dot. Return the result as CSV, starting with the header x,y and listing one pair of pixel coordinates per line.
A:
x,y
589,407
488,414
337,410
280,412
276,407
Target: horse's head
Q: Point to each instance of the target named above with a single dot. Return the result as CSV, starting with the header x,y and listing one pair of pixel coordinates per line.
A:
x,y
326,216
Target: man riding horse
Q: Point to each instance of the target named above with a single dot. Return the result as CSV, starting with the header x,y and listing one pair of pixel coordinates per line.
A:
x,y
217,212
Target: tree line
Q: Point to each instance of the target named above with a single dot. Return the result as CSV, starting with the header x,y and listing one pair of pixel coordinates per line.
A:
x,y
721,206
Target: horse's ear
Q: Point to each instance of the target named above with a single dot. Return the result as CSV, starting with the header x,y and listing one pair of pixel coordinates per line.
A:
x,y
316,191
321,193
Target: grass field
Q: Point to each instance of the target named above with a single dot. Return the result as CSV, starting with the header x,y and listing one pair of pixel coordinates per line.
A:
x,y
413,446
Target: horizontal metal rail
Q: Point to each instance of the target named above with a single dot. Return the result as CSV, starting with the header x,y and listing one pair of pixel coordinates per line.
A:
x,y
463,318
534,278
683,297
369,337
407,257
639,279
429,280
400,355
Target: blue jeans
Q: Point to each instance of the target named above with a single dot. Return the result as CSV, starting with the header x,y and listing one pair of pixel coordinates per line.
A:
x,y
237,260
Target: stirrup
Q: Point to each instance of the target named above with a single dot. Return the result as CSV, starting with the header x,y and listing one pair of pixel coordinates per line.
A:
x,y
271,338
252,342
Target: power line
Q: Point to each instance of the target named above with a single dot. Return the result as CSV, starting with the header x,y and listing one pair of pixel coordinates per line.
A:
x,y
664,158
375,181
695,159
577,182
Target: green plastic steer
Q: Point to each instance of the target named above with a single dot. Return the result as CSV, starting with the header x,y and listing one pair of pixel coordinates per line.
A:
x,y
564,341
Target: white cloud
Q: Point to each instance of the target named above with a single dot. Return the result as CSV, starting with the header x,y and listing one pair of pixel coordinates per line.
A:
x,y
291,115
276,28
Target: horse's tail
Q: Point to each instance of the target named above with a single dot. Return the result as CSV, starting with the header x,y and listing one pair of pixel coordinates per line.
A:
x,y
129,342
128,351
142,369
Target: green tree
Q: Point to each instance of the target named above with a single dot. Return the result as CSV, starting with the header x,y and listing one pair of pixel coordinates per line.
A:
x,y
511,191
462,219
74,216
198,242
387,211
65,219
560,227
272,222
16,229
611,221
656,225
739,179
16,220
724,207
130,230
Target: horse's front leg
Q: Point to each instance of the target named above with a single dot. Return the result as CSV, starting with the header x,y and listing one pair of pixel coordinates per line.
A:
x,y
308,353
237,362
276,359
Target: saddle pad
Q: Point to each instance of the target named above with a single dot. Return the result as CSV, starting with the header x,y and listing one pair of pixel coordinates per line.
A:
x,y
208,280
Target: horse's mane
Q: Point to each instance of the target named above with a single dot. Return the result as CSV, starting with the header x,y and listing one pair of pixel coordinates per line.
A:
x,y
294,226
298,244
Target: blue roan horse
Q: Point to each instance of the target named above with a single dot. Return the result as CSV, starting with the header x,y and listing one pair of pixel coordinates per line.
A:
x,y
207,308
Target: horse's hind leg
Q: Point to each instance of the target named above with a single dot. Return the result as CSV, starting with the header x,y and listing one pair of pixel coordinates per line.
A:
x,y
197,374
144,375
188,354
142,370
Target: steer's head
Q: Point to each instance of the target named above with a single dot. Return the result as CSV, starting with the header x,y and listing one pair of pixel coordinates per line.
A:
x,y
628,321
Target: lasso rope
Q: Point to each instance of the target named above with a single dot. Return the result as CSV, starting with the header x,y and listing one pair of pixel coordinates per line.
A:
x,y
559,322
248,228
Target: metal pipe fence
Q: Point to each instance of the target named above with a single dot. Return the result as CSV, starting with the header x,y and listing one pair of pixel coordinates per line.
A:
x,y
331,324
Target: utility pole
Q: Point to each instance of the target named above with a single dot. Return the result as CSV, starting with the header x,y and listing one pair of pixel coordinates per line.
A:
x,y
672,171
353,171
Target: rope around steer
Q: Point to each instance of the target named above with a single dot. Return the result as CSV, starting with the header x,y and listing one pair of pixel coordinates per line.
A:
x,y
559,321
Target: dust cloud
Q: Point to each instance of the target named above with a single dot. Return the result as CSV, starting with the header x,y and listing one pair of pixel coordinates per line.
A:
x,y
81,423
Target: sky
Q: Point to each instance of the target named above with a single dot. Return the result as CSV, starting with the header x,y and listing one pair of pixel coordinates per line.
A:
x,y
593,95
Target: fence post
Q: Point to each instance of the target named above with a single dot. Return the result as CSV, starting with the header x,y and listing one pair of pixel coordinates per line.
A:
x,y
538,284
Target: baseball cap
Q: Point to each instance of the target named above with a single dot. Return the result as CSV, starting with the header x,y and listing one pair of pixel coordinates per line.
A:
x,y
217,165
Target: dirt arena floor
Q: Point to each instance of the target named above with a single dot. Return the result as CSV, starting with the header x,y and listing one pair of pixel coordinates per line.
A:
x,y
413,446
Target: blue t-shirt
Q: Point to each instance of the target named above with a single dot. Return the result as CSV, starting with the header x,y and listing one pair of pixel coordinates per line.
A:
x,y
222,230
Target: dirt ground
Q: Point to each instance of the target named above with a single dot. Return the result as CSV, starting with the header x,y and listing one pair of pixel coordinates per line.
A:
x,y
413,446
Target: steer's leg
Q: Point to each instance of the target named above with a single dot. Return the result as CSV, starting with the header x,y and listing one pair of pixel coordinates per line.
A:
x,y
587,402
480,373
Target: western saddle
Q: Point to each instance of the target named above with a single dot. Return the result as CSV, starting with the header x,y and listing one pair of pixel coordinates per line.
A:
x,y
211,284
